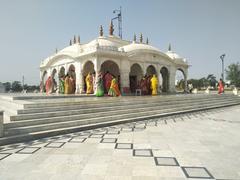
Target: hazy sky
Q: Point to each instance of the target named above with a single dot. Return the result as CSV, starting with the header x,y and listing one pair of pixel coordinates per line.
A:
x,y
199,30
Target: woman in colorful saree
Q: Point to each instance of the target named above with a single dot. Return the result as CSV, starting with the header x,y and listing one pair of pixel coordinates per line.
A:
x,y
114,90
143,86
154,84
89,82
107,79
49,85
220,87
66,84
61,85
99,86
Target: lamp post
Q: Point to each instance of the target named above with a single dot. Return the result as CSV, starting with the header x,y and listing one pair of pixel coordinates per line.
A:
x,y
222,58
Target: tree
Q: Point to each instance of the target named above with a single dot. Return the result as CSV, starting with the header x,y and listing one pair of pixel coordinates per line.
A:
x,y
212,80
7,86
16,86
233,74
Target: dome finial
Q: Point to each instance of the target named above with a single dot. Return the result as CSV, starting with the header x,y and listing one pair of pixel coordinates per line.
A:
x,y
70,43
111,29
134,37
141,38
147,41
169,47
74,40
56,50
78,39
101,31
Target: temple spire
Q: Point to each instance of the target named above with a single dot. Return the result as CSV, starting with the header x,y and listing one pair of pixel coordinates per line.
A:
x,y
78,39
141,38
147,41
56,50
70,43
134,37
74,40
101,31
169,47
111,29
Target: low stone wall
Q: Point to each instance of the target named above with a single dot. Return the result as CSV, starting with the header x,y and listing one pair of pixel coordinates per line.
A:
x,y
1,123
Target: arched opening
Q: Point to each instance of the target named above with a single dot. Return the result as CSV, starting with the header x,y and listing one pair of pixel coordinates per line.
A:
x,y
87,68
149,74
55,80
180,81
151,70
72,76
61,73
110,68
164,79
135,77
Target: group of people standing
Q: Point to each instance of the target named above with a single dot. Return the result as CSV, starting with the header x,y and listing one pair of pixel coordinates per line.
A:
x,y
102,84
66,85
149,85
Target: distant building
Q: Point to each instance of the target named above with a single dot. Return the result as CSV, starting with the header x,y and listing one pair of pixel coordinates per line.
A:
x,y
2,88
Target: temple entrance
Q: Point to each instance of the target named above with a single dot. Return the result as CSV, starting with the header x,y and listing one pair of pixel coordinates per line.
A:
x,y
149,74
135,77
164,83
54,80
72,77
180,81
87,68
110,70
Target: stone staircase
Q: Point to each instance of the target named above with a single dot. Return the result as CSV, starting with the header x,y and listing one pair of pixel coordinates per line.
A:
x,y
48,117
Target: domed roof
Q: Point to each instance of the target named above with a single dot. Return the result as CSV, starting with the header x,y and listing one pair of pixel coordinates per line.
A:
x,y
173,55
137,46
75,48
111,41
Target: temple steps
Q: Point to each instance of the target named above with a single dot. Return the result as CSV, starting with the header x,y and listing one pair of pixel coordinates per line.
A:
x,y
99,108
82,115
105,112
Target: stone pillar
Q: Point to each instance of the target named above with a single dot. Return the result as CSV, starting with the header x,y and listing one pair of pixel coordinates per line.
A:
x,y
124,77
1,123
78,78
124,82
172,77
81,82
185,81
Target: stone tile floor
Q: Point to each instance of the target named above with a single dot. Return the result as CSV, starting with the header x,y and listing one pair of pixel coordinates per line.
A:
x,y
201,145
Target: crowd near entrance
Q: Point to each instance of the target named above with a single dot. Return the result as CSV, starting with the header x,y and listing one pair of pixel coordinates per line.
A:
x,y
108,80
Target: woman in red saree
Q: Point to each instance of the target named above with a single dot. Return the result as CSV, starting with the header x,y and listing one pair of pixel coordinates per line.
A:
x,y
220,87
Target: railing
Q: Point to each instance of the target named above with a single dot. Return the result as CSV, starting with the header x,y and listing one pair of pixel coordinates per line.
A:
x,y
1,123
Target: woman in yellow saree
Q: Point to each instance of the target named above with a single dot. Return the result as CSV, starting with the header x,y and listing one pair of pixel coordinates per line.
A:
x,y
154,84
89,82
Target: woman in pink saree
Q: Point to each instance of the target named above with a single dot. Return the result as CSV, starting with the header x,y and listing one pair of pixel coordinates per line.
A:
x,y
49,85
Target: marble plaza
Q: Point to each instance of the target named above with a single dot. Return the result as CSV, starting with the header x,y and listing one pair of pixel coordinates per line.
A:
x,y
200,145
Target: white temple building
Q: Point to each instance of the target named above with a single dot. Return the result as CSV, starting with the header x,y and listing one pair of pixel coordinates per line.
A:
x,y
127,60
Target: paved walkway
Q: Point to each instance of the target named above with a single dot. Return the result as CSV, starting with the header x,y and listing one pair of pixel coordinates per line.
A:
x,y
203,145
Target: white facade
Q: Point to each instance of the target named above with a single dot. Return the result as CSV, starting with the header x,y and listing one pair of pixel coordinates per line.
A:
x,y
124,59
